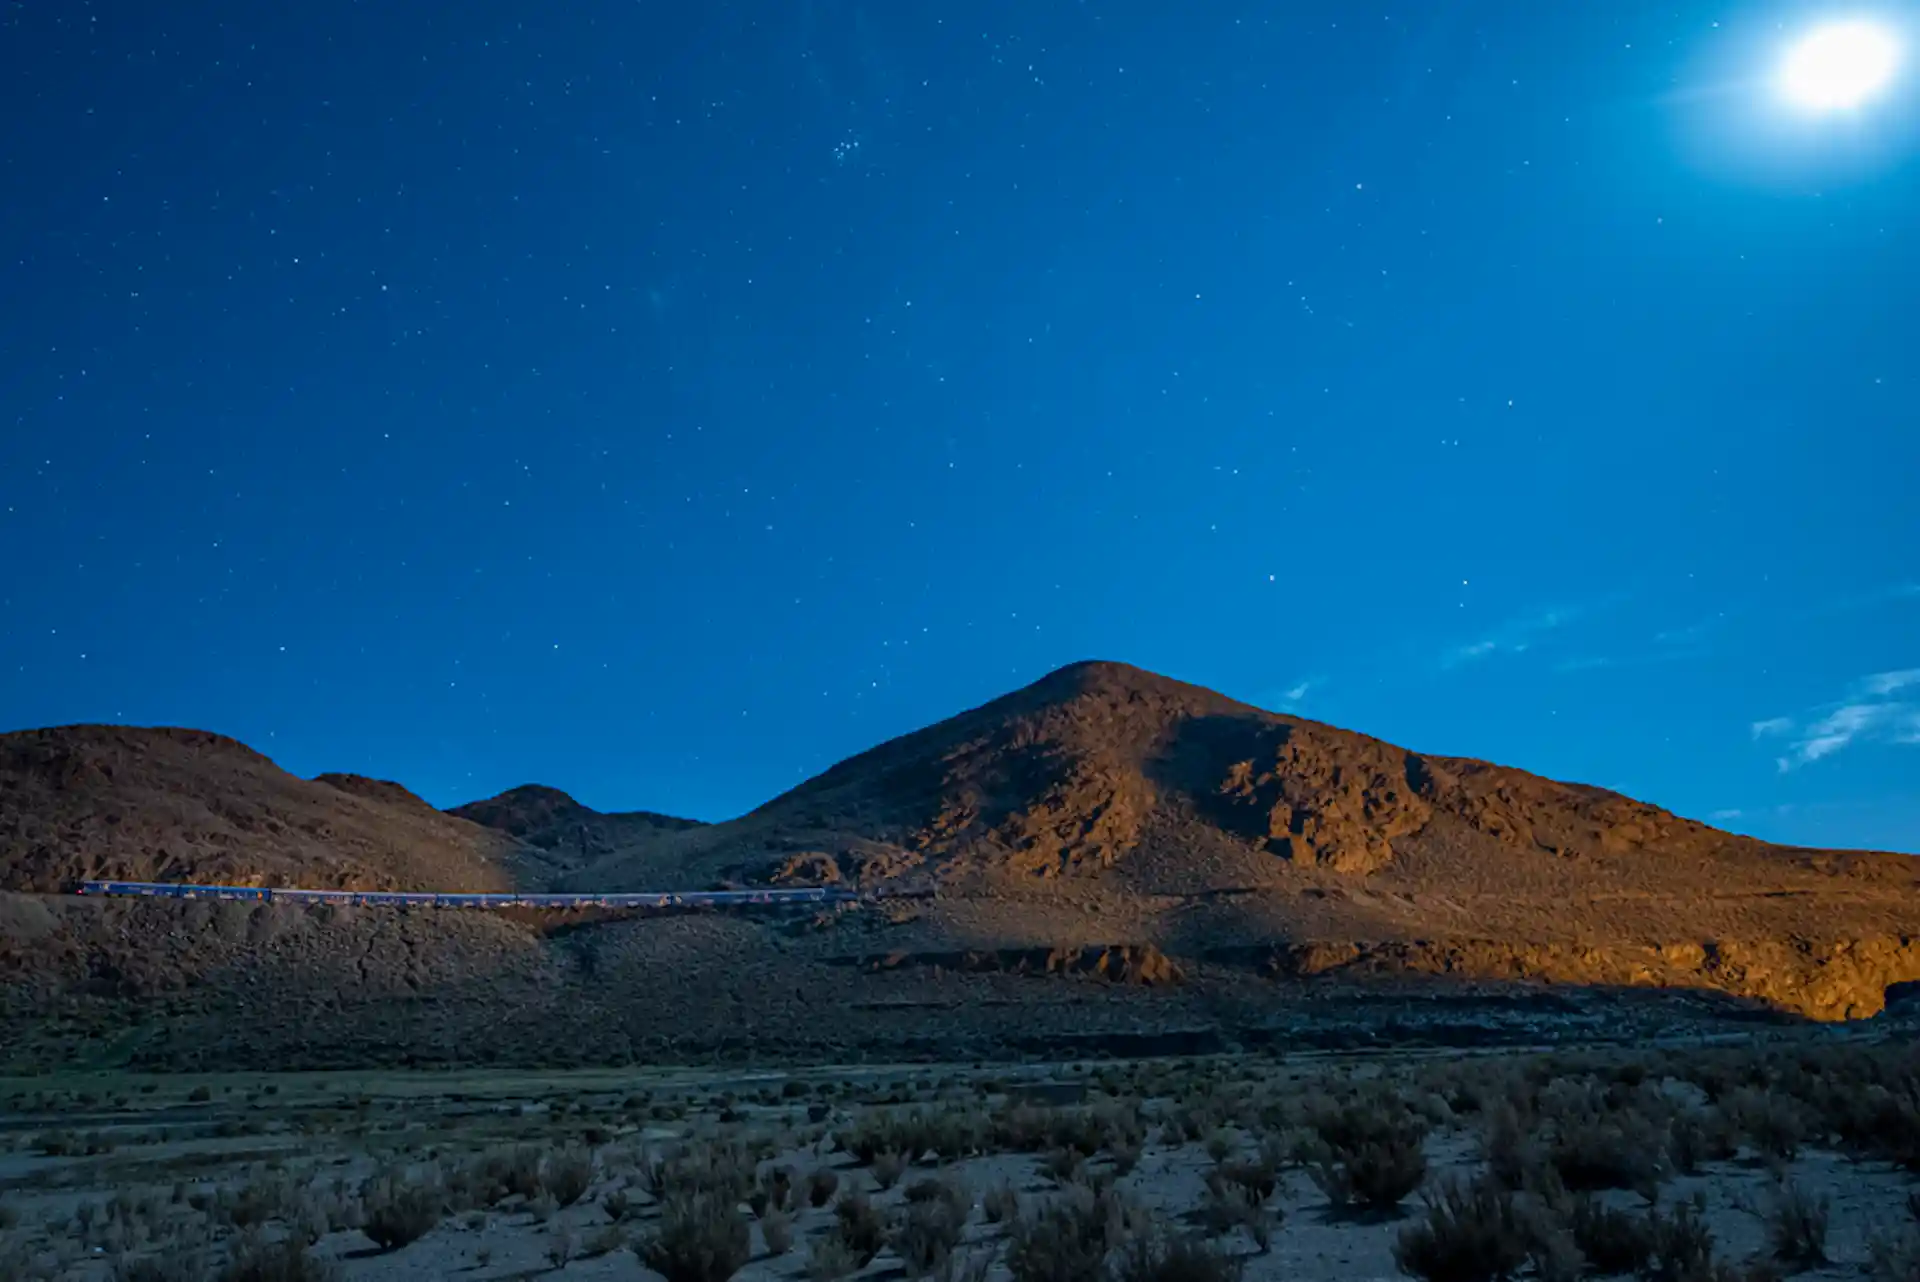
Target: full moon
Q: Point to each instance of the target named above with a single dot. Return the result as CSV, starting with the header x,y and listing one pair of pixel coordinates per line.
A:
x,y
1839,66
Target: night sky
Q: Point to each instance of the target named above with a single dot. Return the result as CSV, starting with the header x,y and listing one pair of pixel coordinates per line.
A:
x,y
665,400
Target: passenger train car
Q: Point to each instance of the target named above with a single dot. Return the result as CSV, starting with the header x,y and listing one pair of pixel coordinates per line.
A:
x,y
438,899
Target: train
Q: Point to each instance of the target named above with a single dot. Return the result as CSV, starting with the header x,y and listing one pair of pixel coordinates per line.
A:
x,y
462,899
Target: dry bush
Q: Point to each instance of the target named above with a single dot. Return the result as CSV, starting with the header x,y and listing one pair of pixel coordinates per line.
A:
x,y
1894,1256
1611,1240
1469,1233
561,1248
618,1204
949,1134
1069,1238
821,1185
1797,1229
397,1210
251,1258
702,1237
1369,1157
1774,1124
776,1186
1158,1257
1621,1151
932,1225
606,1239
567,1174
888,1168
725,1171
1512,1156
1259,1177
1225,1206
1063,1165
776,1226
832,1258
966,1266
496,1175
1682,1245
1698,1136
859,1224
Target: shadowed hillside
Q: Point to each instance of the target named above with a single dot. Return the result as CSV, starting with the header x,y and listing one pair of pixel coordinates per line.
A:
x,y
569,833
121,802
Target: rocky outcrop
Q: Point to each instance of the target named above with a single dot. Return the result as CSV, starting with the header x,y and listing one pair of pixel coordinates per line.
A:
x,y
1822,980
1140,964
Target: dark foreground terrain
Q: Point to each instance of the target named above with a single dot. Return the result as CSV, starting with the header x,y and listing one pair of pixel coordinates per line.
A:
x,y
1794,1156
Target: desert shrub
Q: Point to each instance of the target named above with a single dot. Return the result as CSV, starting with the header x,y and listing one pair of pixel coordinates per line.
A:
x,y
606,1239
1612,1240
1468,1233
1372,1173
497,1175
1881,1122
1620,1151
1158,1257
567,1174
1698,1136
1511,1156
1774,1124
933,1223
888,1168
1069,1238
1063,1164
1797,1229
776,1226
618,1203
1894,1256
722,1171
777,1185
702,1237
396,1210
1259,1177
251,1258
831,1258
1682,1245
561,1247
859,1224
821,1185
1225,1206
171,1266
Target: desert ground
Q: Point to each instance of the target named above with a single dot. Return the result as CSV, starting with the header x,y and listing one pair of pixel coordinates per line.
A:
x,y
1790,1155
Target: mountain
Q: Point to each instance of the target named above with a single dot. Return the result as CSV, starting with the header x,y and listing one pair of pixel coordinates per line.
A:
x,y
1104,780
571,834
137,804
1109,859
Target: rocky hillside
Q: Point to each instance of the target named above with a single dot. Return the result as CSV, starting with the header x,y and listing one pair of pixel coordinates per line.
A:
x,y
1104,853
569,833
119,802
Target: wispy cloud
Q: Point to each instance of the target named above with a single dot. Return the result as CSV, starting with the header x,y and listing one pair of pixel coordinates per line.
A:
x,y
1882,684
1515,636
1868,714
1295,693
1726,816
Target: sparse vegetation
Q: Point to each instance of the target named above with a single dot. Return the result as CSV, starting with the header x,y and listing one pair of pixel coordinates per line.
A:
x,y
1468,1233
399,1208
702,1237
